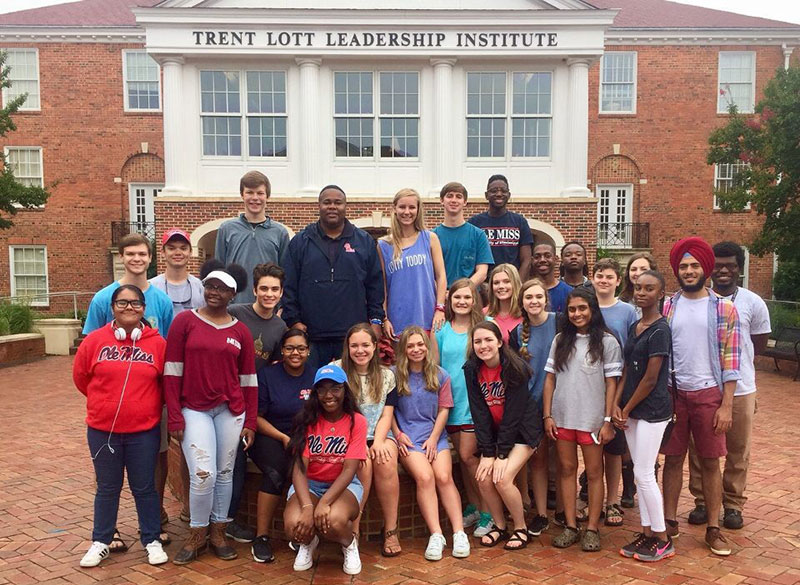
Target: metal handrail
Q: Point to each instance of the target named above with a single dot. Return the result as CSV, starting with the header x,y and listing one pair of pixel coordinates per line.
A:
x,y
27,299
623,235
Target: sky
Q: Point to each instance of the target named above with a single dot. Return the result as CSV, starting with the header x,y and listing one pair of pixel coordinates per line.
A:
x,y
784,10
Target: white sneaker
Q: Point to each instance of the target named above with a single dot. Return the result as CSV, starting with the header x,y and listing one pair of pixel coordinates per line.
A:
x,y
460,544
305,555
352,560
156,554
96,553
435,547
485,525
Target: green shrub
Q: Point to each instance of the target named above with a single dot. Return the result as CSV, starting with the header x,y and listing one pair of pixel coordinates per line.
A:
x,y
783,315
786,282
5,329
18,317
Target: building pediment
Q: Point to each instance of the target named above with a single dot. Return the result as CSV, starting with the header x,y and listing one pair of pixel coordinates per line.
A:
x,y
427,5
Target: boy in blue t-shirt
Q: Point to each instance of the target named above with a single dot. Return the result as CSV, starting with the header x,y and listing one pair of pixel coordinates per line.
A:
x,y
465,247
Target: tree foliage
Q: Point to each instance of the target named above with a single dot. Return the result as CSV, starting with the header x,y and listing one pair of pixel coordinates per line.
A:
x,y
13,194
768,142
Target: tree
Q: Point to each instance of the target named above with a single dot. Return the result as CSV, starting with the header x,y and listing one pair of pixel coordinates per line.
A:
x,y
768,143
13,194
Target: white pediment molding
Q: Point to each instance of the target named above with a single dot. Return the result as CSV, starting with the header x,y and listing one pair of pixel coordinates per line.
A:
x,y
350,5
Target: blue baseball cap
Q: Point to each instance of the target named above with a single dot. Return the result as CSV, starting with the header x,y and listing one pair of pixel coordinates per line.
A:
x,y
330,372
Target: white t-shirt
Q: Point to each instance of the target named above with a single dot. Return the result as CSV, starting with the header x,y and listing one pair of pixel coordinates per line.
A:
x,y
690,343
753,320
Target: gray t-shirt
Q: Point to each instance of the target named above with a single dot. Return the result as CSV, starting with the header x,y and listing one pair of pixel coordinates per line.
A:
x,y
184,297
266,333
579,400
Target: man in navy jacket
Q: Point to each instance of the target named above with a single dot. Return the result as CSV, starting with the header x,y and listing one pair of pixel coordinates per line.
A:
x,y
333,279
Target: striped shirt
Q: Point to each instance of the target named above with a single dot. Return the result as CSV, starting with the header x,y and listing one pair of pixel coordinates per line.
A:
x,y
209,364
724,336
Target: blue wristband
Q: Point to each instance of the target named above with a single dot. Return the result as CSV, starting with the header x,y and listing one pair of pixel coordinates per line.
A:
x,y
376,321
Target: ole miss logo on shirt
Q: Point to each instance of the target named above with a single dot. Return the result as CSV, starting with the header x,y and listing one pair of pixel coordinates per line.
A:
x,y
493,392
305,393
330,449
115,353
349,248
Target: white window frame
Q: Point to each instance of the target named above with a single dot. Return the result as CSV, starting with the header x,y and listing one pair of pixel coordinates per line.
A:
x,y
751,106
7,150
377,116
509,116
126,105
635,83
43,301
243,114
24,107
718,178
745,274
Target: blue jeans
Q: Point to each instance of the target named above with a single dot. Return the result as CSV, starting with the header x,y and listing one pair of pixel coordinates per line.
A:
x,y
324,351
136,454
210,441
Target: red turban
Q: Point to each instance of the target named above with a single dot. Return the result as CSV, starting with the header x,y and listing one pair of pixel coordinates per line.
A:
x,y
698,248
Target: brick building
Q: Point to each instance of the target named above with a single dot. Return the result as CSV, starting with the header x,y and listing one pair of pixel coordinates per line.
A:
x,y
146,112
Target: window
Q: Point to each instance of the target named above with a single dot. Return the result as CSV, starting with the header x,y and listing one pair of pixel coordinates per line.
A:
x,y
142,77
26,164
398,114
24,77
29,273
737,76
531,114
618,83
744,277
264,117
725,177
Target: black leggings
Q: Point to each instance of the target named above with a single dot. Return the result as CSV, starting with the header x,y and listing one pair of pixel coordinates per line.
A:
x,y
271,458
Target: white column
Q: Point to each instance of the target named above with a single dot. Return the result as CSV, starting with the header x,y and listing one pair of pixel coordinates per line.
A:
x,y
308,142
443,125
175,182
787,55
577,129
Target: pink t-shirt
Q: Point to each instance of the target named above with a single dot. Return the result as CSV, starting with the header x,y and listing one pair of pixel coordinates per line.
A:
x,y
328,444
506,323
493,390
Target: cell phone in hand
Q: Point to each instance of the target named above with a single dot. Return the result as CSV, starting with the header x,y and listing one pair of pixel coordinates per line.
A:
x,y
595,437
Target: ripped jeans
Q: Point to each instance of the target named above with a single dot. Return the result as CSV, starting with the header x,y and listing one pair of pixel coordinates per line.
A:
x,y
210,441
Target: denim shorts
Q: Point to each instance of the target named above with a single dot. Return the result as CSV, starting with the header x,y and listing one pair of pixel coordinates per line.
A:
x,y
318,488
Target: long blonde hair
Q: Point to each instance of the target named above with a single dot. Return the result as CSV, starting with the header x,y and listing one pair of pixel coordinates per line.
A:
x,y
395,231
476,314
494,302
526,322
430,370
374,389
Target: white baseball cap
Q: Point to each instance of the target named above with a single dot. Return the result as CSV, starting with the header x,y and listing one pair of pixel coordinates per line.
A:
x,y
223,276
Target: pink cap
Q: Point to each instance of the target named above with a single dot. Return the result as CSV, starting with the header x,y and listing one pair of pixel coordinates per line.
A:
x,y
175,233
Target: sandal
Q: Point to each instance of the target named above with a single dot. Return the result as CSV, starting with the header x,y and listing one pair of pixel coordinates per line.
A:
x,y
117,545
495,535
567,538
614,515
386,549
582,514
590,541
517,540
164,538
164,517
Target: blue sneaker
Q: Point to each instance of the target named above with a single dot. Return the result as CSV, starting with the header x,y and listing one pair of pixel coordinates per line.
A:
x,y
485,524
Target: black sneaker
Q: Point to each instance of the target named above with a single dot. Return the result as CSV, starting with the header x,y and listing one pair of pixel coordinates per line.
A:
x,y
630,549
698,516
538,525
560,519
261,550
732,519
584,483
240,533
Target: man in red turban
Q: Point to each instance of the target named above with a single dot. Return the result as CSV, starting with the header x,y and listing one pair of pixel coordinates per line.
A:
x,y
696,247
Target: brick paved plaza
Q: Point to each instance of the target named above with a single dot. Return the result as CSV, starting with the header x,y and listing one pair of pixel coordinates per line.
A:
x,y
46,484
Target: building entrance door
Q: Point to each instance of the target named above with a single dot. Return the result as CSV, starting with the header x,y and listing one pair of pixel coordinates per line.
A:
x,y
614,215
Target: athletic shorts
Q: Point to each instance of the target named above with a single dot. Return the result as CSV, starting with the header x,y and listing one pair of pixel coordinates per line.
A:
x,y
694,412
459,429
616,446
318,488
580,437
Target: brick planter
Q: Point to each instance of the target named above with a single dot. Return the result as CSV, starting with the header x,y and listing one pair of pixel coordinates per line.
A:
x,y
409,516
21,348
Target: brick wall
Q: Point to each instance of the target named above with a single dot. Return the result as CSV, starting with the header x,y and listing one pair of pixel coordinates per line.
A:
x,y
86,137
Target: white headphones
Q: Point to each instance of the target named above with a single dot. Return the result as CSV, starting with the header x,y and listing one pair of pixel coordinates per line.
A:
x,y
121,335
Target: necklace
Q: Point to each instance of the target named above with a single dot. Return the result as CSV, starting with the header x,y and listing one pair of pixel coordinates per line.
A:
x,y
184,302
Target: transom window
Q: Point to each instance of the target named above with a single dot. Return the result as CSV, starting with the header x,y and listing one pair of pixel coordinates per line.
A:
x,y
24,77
142,77
251,101
737,79
26,164
725,179
354,94
618,83
29,273
488,115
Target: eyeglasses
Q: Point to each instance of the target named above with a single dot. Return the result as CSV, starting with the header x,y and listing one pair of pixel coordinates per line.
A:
x,y
335,389
220,288
288,349
125,303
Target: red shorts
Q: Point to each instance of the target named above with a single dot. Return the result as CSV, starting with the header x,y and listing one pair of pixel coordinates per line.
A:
x,y
580,437
694,412
459,429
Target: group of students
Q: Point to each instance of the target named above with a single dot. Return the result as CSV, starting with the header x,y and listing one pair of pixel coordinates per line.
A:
x,y
329,412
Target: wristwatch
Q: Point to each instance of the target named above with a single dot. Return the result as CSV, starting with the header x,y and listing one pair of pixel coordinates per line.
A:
x,y
500,456
607,419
